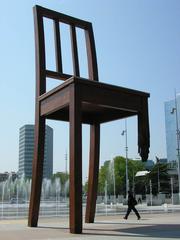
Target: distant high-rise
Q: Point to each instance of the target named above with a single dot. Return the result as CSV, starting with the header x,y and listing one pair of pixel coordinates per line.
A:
x,y
171,128
26,150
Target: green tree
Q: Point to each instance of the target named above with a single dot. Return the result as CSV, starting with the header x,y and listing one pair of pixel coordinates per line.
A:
x,y
107,173
103,176
135,184
64,177
159,174
140,185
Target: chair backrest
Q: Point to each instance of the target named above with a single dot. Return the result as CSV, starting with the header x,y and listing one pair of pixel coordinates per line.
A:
x,y
41,71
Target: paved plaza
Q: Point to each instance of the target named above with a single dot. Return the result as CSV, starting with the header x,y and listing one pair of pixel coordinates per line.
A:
x,y
151,226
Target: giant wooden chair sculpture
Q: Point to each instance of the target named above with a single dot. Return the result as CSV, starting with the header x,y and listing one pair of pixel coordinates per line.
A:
x,y
78,101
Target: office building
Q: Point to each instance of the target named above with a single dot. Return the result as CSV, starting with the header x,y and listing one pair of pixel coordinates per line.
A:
x,y
8,175
26,151
171,127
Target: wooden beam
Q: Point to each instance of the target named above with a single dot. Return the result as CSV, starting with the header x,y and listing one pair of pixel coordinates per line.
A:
x,y
111,98
37,171
61,17
74,51
57,75
91,54
54,102
93,173
75,161
143,130
57,41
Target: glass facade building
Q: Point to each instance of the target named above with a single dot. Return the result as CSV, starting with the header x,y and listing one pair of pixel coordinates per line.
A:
x,y
26,151
171,127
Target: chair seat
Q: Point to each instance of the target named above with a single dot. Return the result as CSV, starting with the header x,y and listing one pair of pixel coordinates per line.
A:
x,y
100,102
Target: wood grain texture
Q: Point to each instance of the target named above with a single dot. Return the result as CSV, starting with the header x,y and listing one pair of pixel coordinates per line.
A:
x,y
78,101
74,51
91,54
75,161
93,173
37,170
57,41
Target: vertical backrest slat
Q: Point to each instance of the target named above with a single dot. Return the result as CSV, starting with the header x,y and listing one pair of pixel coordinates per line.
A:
x,y
58,53
91,54
74,51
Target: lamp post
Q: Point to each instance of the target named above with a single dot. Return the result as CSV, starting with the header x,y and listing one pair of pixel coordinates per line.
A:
x,y
157,161
66,159
114,182
150,186
126,149
133,182
175,110
172,191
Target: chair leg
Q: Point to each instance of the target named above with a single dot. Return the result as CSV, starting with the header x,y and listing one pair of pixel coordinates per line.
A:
x,y
75,163
93,173
37,172
143,130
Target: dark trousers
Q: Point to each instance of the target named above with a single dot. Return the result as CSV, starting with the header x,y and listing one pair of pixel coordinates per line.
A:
x,y
129,210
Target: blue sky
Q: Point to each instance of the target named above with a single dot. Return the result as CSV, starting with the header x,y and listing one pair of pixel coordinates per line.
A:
x,y
138,46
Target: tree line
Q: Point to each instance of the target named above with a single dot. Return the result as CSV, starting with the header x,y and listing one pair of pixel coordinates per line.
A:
x,y
112,175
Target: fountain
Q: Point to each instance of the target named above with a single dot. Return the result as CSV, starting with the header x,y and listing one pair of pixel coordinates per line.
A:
x,y
105,196
58,190
66,189
2,201
14,195
111,172
17,200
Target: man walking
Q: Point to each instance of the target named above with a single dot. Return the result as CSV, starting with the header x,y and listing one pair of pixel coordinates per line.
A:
x,y
131,206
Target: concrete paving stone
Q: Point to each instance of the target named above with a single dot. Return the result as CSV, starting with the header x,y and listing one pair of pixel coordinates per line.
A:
x,y
150,227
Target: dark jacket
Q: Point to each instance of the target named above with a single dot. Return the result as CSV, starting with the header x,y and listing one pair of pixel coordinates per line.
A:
x,y
131,200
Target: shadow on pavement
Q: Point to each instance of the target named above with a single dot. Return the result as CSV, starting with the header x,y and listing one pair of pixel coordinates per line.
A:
x,y
140,230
